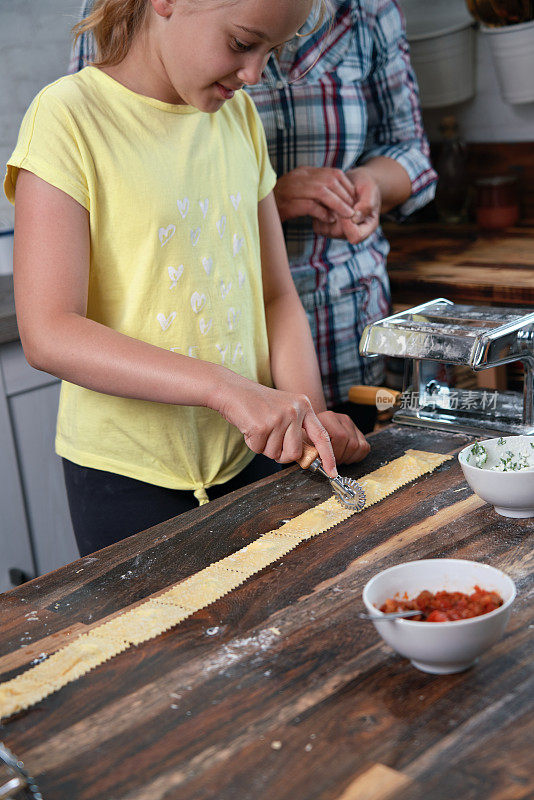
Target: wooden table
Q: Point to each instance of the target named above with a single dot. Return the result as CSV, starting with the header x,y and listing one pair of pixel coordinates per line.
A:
x,y
279,691
461,263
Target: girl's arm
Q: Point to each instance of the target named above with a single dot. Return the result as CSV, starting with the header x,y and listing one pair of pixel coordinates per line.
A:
x,y
294,365
51,272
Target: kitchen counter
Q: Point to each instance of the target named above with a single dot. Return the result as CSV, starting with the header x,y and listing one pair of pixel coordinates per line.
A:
x,y
461,263
8,321
278,690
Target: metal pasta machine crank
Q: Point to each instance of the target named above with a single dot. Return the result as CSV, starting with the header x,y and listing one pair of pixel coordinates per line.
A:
x,y
436,336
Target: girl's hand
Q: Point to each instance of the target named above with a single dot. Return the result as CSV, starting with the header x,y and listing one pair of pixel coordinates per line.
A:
x,y
323,193
273,422
348,442
366,210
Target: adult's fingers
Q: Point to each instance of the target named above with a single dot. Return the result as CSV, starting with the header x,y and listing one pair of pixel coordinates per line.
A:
x,y
316,210
367,227
346,182
364,209
331,199
367,201
351,231
326,185
333,230
335,180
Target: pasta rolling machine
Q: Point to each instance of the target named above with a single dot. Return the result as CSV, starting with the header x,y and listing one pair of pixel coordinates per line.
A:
x,y
437,336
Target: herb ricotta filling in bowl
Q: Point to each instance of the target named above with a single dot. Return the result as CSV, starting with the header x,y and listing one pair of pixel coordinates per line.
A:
x,y
500,458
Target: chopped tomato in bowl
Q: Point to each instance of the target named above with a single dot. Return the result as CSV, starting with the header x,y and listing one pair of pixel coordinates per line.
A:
x,y
446,606
468,602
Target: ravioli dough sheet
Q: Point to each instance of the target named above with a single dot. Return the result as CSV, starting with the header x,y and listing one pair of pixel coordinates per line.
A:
x,y
163,611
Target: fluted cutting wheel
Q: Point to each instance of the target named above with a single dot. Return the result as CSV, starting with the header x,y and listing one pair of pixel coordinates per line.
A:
x,y
26,788
356,503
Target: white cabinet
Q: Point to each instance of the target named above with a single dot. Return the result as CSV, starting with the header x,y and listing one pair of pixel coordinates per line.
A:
x,y
35,529
15,547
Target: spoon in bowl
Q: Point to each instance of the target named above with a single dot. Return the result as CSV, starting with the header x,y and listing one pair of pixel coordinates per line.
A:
x,y
392,615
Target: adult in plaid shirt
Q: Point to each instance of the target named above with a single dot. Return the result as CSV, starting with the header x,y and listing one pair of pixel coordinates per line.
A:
x,y
343,123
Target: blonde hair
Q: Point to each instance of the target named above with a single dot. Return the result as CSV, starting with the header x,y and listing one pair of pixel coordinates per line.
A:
x,y
114,24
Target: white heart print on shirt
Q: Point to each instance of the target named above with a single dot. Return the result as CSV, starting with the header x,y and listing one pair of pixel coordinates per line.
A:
x,y
235,199
238,243
221,225
222,351
195,236
164,321
166,234
238,353
207,263
183,207
204,325
198,301
241,278
204,206
175,273
225,288
232,318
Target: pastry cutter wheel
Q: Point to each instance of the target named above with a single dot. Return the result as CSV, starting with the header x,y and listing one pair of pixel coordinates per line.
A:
x,y
15,782
349,493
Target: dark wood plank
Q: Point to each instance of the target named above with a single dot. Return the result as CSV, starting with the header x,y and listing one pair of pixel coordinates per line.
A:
x,y
284,659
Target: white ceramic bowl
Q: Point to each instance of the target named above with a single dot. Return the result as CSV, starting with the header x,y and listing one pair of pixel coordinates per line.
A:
x,y
440,647
512,493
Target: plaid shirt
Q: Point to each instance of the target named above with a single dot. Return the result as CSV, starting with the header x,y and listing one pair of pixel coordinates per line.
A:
x,y
357,99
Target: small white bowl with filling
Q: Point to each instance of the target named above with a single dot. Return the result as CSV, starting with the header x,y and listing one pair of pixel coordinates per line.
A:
x,y
440,648
501,472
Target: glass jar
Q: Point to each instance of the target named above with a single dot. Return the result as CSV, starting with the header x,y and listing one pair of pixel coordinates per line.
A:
x,y
497,203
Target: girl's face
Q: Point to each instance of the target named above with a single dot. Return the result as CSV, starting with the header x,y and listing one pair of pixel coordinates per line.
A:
x,y
208,50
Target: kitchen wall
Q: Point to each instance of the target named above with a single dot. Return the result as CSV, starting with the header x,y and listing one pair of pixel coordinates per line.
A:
x,y
34,51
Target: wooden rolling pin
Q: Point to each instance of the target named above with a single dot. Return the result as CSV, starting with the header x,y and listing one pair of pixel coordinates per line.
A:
x,y
379,396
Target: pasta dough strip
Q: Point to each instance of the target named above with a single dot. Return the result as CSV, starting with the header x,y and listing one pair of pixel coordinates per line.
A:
x,y
163,611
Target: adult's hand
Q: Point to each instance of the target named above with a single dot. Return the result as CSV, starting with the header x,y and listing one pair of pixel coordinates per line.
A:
x,y
348,442
366,210
324,193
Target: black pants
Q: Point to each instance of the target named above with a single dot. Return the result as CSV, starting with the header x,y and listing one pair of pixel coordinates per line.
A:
x,y
105,507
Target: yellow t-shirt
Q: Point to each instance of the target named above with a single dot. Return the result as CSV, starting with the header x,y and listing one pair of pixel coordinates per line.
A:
x,y
172,195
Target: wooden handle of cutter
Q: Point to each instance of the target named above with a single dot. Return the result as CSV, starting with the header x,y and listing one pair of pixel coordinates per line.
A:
x,y
366,395
309,454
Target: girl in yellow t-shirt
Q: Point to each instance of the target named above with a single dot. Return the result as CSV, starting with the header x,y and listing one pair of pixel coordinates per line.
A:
x,y
150,267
